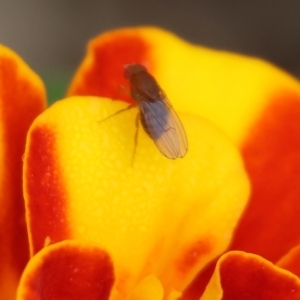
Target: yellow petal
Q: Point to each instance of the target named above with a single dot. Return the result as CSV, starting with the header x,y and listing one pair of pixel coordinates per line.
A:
x,y
157,216
149,288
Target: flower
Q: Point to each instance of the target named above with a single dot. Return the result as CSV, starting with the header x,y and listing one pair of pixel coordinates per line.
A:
x,y
104,226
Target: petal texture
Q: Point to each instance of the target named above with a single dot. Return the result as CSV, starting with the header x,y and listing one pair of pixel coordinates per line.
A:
x,y
155,215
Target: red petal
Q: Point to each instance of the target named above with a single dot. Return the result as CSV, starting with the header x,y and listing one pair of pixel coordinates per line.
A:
x,y
291,261
22,98
45,197
272,156
245,276
101,73
68,270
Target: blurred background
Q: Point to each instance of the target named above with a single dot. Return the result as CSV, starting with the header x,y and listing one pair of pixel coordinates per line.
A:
x,y
51,36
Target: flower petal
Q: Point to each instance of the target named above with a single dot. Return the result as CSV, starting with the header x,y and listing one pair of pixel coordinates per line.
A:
x,y
101,73
257,104
67,270
291,261
241,275
155,216
22,98
271,152
149,288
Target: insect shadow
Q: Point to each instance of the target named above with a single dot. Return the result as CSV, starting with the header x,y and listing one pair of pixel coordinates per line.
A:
x,y
156,113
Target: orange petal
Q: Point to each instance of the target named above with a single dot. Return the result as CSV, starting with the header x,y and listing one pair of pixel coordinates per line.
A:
x,y
158,216
67,270
101,73
22,98
270,224
241,275
271,152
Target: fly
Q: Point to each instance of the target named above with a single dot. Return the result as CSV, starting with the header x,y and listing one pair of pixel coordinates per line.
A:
x,y
156,113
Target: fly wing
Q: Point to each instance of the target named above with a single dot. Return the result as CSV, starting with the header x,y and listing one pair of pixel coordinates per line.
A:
x,y
164,127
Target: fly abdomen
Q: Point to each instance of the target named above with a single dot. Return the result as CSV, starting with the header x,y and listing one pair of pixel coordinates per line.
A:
x,y
154,118
144,124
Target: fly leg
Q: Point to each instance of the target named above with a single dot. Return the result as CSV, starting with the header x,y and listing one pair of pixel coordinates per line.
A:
x,y
137,124
119,111
121,88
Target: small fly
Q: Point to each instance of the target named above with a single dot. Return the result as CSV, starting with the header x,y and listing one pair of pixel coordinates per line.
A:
x,y
156,113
